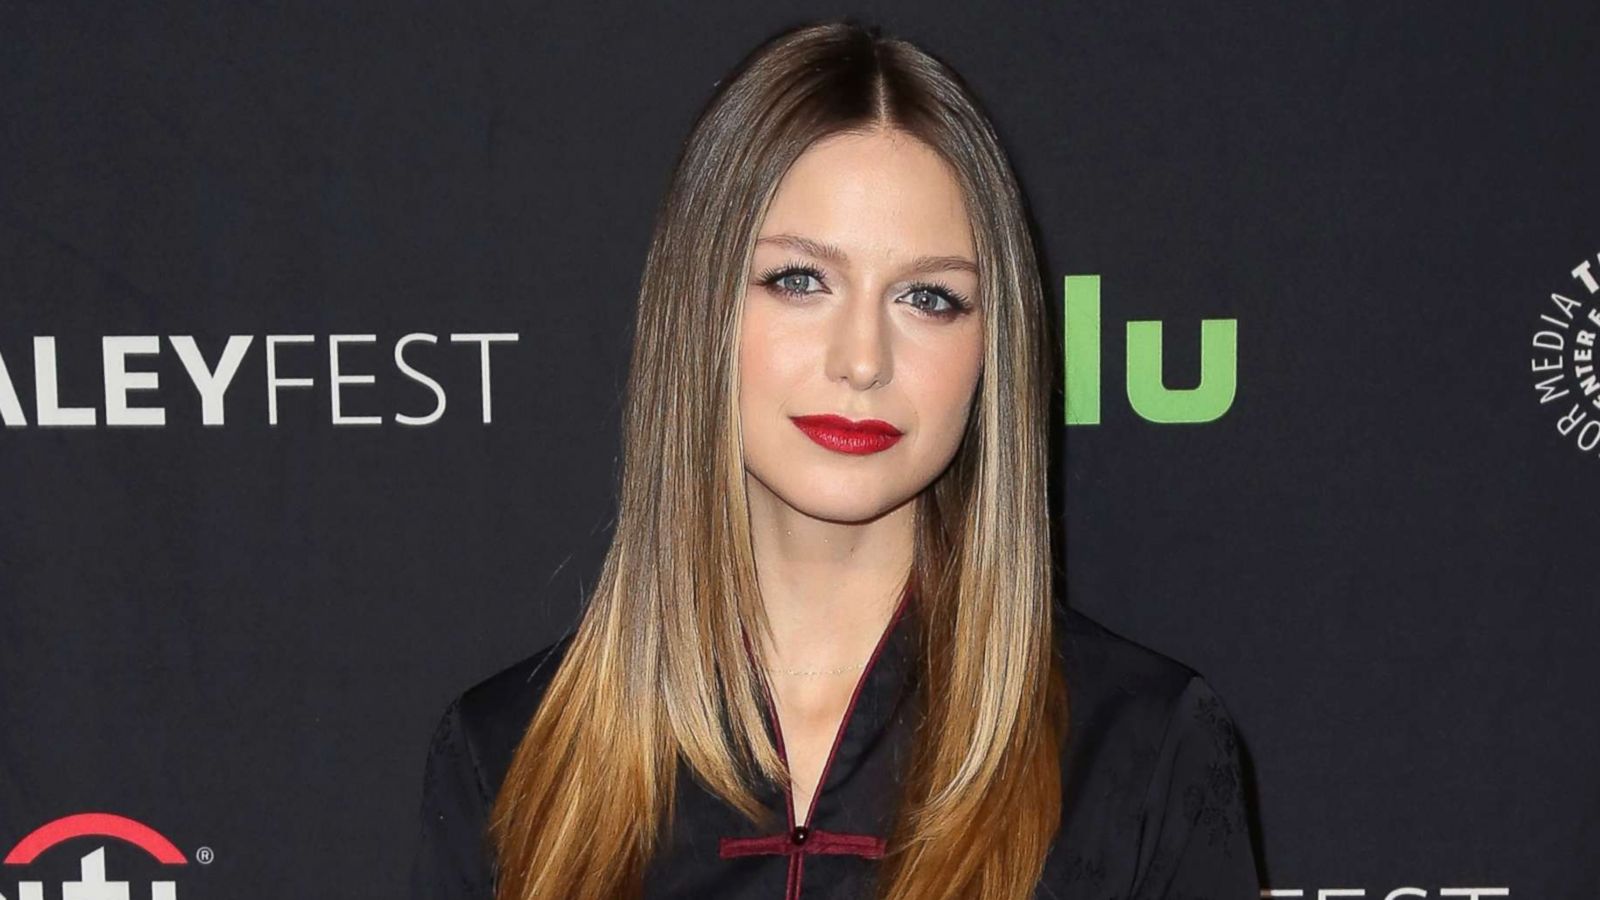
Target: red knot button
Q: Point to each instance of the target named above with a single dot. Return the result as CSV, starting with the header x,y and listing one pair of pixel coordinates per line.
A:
x,y
799,834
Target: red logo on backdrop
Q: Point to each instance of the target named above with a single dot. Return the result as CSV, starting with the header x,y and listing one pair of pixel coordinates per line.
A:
x,y
93,884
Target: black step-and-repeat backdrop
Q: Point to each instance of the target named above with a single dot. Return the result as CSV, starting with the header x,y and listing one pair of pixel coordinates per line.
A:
x,y
314,320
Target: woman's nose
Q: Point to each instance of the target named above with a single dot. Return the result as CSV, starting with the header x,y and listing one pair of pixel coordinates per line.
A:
x,y
859,348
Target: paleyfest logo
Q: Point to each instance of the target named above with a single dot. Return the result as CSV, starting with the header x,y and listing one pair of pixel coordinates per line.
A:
x,y
211,381
1567,368
92,883
1399,893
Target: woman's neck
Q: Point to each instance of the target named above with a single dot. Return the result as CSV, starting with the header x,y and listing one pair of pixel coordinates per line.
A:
x,y
829,588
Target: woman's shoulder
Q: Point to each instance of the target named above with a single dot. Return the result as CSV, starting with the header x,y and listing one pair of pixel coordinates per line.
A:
x,y
467,760
1150,743
495,712
1116,684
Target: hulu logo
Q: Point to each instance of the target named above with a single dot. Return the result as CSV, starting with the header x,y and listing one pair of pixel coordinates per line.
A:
x,y
1149,397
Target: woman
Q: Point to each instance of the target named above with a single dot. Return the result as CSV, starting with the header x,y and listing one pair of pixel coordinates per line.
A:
x,y
824,657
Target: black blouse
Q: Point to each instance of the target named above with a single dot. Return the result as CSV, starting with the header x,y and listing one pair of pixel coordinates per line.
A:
x,y
1153,805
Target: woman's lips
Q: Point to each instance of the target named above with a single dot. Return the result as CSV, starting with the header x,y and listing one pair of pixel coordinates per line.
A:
x,y
844,436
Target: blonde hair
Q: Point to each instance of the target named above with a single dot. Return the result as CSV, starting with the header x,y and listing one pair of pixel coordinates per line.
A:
x,y
657,669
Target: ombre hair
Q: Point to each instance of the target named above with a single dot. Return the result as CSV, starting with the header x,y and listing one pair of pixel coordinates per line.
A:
x,y
658,672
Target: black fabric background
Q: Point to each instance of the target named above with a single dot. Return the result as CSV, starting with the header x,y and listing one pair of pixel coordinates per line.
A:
x,y
1382,556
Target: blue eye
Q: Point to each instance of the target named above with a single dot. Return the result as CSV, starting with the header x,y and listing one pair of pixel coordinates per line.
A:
x,y
789,280
959,305
779,279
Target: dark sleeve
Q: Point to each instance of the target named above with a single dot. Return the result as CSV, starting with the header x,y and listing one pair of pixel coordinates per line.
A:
x,y
1195,841
451,860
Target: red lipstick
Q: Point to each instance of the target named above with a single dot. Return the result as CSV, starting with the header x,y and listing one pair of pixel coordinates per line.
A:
x,y
845,436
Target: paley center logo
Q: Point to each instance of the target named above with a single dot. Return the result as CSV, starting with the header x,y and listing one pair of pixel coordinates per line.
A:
x,y
92,883
1566,367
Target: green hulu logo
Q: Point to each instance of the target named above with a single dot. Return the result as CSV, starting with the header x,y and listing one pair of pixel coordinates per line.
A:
x,y
1149,397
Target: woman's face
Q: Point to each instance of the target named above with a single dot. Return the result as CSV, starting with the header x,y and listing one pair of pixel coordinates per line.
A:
x,y
861,303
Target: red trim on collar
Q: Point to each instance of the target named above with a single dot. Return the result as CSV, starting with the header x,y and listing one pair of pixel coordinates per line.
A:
x,y
816,841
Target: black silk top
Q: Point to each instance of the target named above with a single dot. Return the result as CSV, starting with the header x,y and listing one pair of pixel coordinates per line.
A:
x,y
1153,805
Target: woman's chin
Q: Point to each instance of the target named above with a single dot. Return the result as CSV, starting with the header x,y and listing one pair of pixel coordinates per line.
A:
x,y
848,506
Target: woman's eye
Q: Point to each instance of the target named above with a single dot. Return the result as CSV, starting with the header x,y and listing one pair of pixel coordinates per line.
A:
x,y
938,302
796,283
790,280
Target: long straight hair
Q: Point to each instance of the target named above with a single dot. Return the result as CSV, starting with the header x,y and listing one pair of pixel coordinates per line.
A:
x,y
658,672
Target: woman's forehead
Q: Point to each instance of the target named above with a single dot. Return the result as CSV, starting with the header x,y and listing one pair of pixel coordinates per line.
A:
x,y
868,196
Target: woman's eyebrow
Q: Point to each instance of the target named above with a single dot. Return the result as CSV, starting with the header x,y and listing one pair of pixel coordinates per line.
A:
x,y
837,256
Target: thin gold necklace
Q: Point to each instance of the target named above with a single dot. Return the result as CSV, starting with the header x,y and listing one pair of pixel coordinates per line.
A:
x,y
838,671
